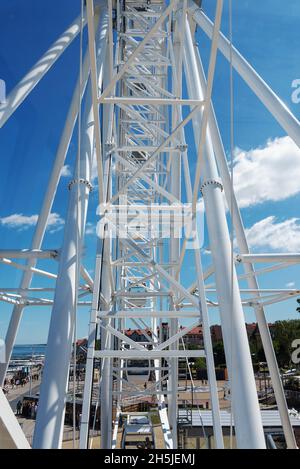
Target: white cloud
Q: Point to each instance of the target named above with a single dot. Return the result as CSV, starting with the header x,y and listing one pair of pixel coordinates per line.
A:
x,y
290,285
55,222
269,173
19,221
282,236
66,171
22,222
90,229
94,172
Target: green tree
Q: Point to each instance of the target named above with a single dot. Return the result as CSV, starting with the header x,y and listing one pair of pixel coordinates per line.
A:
x,y
97,344
284,333
219,353
200,363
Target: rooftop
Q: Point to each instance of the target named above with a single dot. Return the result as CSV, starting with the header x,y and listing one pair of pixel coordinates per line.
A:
x,y
270,418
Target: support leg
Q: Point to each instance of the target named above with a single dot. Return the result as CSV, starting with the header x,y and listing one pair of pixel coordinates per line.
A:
x,y
248,424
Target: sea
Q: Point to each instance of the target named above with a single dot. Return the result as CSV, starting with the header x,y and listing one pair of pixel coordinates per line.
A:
x,y
28,351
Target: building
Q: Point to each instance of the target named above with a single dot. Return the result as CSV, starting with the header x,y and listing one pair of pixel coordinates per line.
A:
x,y
194,338
191,429
251,328
138,335
81,350
164,330
216,333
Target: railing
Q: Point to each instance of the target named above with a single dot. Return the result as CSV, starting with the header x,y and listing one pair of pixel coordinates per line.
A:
x,y
68,435
270,442
185,416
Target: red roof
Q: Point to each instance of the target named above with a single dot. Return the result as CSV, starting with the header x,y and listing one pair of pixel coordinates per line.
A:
x,y
81,342
216,330
196,331
251,328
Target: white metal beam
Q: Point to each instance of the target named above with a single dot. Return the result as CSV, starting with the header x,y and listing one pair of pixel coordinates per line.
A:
x,y
28,253
11,434
32,78
45,212
148,354
273,103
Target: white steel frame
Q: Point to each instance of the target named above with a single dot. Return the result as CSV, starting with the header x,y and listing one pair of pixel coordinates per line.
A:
x,y
133,123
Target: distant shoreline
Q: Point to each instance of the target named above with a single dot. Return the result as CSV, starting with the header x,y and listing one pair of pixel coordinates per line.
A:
x,y
30,345
28,351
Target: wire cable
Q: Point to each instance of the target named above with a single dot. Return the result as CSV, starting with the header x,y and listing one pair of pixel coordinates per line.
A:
x,y
193,387
231,203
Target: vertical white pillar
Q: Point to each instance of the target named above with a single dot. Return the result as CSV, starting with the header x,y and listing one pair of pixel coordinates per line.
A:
x,y
88,382
51,410
106,363
43,217
175,189
249,269
50,418
106,288
247,418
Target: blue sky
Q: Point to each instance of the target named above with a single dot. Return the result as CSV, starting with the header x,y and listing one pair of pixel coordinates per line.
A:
x,y
266,33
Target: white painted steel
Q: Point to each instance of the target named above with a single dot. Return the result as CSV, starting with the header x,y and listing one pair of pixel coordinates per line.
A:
x,y
50,418
39,70
134,121
248,420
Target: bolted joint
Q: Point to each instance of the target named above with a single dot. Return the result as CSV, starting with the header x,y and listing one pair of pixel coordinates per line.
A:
x,y
182,147
109,146
80,181
211,182
55,254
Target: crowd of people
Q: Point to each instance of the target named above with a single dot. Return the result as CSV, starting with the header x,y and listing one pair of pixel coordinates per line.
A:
x,y
16,381
27,409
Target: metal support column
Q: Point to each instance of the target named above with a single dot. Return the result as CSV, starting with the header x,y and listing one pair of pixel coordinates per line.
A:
x,y
248,424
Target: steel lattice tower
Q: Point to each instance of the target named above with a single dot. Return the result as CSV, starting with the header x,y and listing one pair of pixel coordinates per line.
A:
x,y
134,123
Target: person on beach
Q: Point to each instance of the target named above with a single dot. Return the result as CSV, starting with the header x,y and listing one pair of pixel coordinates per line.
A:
x,y
19,408
145,445
31,410
24,409
148,444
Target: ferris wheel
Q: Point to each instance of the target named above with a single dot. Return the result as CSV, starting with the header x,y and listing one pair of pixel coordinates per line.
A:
x,y
144,119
